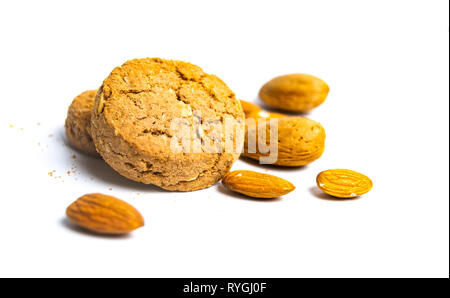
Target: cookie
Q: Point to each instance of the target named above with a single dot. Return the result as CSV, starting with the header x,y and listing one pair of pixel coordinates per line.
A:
x,y
162,122
78,122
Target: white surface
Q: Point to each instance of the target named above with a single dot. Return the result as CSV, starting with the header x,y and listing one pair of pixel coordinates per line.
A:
x,y
386,116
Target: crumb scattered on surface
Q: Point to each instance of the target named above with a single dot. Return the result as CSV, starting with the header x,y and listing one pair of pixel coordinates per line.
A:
x,y
11,126
50,135
74,156
38,124
68,173
74,168
110,188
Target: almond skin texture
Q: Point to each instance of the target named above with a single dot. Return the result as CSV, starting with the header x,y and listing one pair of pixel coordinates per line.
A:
x,y
249,107
294,92
257,185
300,141
104,214
341,183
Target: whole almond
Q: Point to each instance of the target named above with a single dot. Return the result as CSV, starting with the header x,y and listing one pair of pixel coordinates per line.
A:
x,y
104,214
257,185
342,183
294,92
300,141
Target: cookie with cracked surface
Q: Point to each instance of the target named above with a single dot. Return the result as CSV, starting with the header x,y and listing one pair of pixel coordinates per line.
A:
x,y
78,122
135,124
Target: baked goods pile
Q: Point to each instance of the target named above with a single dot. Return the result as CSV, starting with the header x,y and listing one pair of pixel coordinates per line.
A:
x,y
160,122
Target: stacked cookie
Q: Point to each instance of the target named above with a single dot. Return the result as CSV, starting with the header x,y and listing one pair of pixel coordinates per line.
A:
x,y
78,122
137,123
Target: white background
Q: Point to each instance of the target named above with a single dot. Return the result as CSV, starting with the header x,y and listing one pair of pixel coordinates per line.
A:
x,y
386,116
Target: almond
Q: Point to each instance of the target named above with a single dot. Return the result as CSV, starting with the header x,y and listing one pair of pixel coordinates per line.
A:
x,y
300,141
249,107
257,185
342,183
294,92
261,114
252,118
104,214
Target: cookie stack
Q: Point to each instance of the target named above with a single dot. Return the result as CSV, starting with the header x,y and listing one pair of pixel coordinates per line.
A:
x,y
138,120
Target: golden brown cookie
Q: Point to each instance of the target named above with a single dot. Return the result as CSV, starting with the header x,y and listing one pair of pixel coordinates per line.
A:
x,y
78,122
139,116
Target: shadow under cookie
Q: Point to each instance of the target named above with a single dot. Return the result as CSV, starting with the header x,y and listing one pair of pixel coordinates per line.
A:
x,y
98,169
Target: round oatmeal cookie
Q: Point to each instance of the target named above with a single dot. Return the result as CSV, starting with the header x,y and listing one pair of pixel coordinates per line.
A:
x,y
78,122
167,123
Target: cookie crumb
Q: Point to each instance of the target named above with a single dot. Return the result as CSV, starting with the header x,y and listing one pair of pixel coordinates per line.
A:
x,y
68,173
74,156
110,188
38,124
